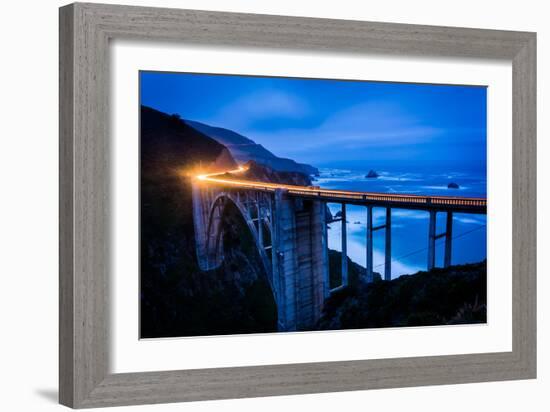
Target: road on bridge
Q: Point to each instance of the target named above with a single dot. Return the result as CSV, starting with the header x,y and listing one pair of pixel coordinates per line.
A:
x,y
447,203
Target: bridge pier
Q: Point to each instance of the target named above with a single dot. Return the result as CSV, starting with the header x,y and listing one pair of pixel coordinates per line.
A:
x,y
387,266
387,245
431,240
324,246
432,237
370,276
300,262
283,224
448,239
206,223
260,222
344,239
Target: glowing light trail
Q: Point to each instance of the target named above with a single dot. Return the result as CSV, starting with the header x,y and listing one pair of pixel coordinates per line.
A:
x,y
222,178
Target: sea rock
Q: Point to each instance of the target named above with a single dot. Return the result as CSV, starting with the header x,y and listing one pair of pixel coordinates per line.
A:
x,y
372,174
453,185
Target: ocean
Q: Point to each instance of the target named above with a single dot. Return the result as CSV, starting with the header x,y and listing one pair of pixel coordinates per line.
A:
x,y
409,227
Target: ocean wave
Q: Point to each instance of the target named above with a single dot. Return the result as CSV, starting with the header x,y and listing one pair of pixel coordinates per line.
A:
x,y
356,249
470,220
444,187
410,214
398,179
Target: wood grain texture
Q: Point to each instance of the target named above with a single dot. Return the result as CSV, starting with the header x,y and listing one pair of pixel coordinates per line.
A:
x,y
85,31
524,225
66,183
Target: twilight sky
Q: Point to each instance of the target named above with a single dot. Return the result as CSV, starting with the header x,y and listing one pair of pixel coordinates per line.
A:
x,y
331,123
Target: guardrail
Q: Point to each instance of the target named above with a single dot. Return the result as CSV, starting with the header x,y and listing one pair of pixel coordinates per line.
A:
x,y
414,200
384,197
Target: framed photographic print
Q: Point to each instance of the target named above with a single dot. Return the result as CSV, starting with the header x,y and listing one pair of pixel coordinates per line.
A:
x,y
258,205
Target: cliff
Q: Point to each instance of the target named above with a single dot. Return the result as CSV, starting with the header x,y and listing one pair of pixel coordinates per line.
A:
x,y
263,173
244,150
169,145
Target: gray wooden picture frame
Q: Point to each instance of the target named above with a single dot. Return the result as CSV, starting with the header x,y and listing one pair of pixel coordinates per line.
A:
x,y
85,32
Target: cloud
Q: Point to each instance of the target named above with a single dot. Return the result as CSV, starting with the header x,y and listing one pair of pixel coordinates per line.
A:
x,y
363,126
263,105
310,130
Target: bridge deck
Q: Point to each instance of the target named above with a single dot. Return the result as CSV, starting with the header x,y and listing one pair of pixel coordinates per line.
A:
x,y
400,201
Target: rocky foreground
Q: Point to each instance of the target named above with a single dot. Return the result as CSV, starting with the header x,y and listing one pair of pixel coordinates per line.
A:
x,y
454,295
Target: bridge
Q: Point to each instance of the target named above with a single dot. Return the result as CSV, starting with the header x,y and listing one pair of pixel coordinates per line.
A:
x,y
289,226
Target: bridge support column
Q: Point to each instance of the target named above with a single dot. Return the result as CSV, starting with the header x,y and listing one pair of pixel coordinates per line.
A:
x,y
319,261
448,239
300,262
344,247
431,240
284,261
259,215
387,266
208,249
370,276
324,245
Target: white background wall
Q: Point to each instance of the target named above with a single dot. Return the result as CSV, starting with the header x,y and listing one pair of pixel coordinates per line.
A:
x,y
28,206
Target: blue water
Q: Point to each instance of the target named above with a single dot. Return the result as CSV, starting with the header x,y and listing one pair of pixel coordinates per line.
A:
x,y
409,227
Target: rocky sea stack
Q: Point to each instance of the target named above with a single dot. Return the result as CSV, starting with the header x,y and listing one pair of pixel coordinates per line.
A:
x,y
372,174
453,185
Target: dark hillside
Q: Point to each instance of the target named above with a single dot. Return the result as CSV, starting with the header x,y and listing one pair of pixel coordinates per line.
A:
x,y
262,173
168,143
177,299
454,295
244,149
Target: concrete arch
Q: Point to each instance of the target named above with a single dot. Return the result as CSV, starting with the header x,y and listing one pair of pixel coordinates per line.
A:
x,y
214,232
296,268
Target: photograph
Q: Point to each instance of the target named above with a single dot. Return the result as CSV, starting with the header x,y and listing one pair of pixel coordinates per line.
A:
x,y
273,204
